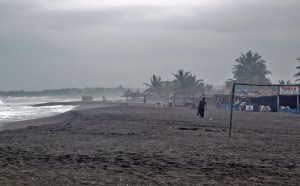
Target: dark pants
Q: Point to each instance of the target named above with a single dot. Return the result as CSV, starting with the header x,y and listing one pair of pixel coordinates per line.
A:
x,y
201,112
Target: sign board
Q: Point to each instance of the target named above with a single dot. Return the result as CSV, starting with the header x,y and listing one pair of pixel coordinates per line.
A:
x,y
289,90
249,107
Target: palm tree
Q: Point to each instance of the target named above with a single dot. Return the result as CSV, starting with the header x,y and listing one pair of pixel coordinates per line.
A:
x,y
187,83
282,82
155,87
156,82
297,75
209,87
251,68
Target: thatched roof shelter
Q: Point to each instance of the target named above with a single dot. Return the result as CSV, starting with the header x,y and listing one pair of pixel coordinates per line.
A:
x,y
132,95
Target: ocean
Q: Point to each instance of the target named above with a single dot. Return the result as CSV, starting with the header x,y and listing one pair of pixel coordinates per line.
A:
x,y
19,109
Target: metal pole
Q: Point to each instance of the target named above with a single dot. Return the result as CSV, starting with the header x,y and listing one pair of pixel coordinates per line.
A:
x,y
193,99
278,92
260,85
232,97
298,99
174,95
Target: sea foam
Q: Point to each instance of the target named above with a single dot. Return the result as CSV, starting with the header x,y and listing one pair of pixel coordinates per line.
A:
x,y
19,109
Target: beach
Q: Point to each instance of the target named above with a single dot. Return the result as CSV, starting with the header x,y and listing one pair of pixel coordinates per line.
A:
x,y
138,144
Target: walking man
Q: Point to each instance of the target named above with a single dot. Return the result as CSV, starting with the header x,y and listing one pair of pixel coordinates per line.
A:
x,y
201,107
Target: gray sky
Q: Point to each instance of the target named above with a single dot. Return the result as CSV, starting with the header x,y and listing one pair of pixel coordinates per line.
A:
x,y
89,43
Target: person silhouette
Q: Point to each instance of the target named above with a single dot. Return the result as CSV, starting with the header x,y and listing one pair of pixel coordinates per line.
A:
x,y
201,107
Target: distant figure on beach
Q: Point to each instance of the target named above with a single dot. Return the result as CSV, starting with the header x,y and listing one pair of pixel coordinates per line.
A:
x,y
218,103
202,105
170,103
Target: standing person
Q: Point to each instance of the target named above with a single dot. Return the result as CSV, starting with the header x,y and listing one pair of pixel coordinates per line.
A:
x,y
170,103
218,103
202,105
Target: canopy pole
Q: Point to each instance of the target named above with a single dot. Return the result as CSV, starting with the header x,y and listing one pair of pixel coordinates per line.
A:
x,y
231,110
278,105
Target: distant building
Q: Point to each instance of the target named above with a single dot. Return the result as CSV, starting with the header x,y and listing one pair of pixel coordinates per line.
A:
x,y
133,96
87,98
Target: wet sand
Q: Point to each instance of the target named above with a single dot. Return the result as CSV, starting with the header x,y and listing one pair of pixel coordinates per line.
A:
x,y
144,145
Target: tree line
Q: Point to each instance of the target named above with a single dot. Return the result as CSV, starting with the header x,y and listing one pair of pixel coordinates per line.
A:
x,y
72,92
184,84
249,68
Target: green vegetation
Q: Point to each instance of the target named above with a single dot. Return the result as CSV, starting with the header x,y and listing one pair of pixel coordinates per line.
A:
x,y
185,84
282,82
156,86
250,68
297,75
71,92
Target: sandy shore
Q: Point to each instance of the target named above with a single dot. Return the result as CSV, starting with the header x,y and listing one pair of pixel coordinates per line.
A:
x,y
80,105
143,145
83,105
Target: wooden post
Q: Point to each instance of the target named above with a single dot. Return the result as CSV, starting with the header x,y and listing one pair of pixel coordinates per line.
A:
x,y
232,97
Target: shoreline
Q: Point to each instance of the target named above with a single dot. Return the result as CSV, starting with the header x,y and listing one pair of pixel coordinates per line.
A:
x,y
79,105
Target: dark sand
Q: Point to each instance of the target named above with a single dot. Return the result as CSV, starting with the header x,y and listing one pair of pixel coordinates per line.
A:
x,y
143,145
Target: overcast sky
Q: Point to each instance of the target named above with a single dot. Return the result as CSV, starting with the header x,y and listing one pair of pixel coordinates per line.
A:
x,y
91,43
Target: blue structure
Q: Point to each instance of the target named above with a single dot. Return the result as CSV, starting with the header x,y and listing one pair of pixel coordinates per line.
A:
x,y
290,110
